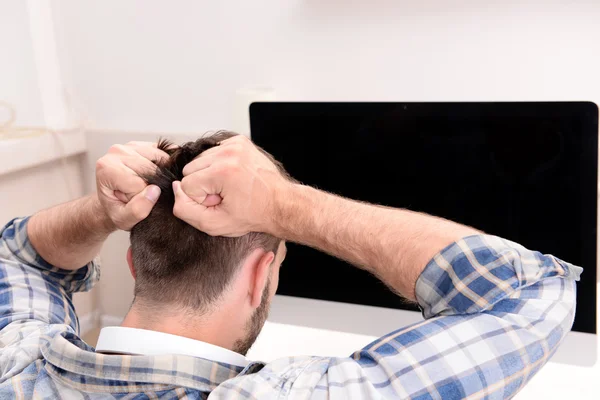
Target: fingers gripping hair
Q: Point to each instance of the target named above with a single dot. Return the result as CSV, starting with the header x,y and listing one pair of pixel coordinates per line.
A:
x,y
175,263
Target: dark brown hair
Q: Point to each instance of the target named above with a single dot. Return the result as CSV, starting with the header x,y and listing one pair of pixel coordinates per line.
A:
x,y
174,262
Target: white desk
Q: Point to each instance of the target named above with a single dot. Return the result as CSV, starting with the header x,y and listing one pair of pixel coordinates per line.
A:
x,y
555,381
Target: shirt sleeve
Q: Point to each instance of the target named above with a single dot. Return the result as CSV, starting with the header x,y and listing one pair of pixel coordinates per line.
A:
x,y
32,290
495,314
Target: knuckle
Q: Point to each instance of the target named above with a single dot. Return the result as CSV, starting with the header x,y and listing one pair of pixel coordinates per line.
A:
x,y
228,168
235,164
187,184
101,163
226,152
178,210
233,150
116,149
244,141
242,138
237,149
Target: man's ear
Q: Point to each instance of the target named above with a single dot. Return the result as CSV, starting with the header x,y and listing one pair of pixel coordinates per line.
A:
x,y
261,277
130,262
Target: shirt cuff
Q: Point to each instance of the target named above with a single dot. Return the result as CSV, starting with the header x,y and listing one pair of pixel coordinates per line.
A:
x,y
14,237
474,273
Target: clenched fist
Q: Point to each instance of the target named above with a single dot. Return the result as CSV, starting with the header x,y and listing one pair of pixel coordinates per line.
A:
x,y
126,197
229,190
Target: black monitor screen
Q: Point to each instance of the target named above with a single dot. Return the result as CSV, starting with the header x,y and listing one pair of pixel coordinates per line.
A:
x,y
523,171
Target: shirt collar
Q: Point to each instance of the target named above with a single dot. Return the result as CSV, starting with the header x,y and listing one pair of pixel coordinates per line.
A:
x,y
132,341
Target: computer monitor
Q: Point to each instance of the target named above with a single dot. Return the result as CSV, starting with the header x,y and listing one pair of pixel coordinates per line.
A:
x,y
525,171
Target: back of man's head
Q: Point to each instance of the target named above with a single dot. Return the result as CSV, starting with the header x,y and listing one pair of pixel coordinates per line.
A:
x,y
175,263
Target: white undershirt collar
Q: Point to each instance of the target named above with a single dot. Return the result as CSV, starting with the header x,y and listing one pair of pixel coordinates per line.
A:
x,y
132,341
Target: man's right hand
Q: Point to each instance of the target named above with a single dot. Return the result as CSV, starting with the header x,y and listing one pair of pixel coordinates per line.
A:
x,y
229,190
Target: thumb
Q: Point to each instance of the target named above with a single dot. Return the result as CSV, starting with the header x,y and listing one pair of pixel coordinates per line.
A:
x,y
183,202
212,200
180,196
209,200
140,205
206,218
186,208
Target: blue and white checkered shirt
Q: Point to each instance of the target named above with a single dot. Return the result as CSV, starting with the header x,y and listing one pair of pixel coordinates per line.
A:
x,y
495,313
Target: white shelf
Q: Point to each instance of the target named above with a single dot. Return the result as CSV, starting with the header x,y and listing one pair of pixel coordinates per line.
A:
x,y
21,153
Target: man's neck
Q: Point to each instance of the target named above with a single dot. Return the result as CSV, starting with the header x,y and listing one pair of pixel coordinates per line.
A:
x,y
209,328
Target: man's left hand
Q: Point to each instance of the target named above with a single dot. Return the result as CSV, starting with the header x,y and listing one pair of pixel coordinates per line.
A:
x,y
126,197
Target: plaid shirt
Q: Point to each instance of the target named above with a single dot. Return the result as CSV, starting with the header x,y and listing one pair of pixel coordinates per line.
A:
x,y
495,313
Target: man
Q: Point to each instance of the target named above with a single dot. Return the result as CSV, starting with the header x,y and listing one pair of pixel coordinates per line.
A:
x,y
495,311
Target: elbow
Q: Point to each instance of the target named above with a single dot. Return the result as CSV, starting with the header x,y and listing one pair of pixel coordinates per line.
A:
x,y
568,304
556,320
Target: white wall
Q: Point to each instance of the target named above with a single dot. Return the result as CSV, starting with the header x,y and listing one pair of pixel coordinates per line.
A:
x,y
18,74
29,190
52,178
174,66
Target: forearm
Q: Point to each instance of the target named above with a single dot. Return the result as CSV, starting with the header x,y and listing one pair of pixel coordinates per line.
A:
x,y
70,235
393,244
